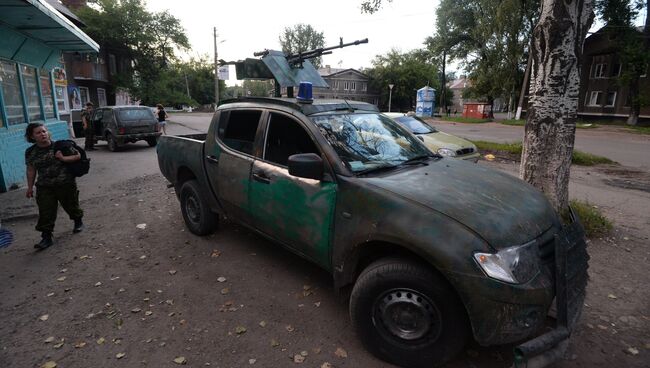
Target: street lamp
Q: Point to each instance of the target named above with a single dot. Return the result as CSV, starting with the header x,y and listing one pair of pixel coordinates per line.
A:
x,y
390,95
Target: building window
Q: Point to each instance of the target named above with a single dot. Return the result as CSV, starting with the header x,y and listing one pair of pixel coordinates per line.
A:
x,y
101,97
346,85
616,70
46,92
594,99
13,98
84,95
31,93
112,64
364,87
611,99
353,86
600,70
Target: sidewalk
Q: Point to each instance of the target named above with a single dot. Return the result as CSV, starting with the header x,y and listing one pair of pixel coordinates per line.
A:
x,y
15,206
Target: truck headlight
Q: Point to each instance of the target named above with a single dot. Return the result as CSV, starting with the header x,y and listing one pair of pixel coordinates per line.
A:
x,y
516,265
446,152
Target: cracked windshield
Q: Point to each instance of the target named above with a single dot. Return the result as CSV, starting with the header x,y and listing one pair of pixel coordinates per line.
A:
x,y
369,141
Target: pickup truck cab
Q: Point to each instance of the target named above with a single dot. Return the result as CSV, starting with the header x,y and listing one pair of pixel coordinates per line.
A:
x,y
433,250
118,125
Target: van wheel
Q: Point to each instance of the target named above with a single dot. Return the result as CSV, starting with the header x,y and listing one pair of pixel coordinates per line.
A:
x,y
198,217
152,142
112,144
407,314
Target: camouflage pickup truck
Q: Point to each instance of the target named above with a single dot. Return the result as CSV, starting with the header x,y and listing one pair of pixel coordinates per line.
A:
x,y
431,251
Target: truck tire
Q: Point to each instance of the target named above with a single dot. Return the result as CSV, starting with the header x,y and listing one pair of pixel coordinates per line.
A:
x,y
152,142
196,213
407,314
113,146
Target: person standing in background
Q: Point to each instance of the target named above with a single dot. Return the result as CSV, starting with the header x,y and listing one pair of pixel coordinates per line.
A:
x,y
162,117
89,132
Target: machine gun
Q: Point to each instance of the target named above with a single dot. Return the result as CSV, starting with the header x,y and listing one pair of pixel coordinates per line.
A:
x,y
296,60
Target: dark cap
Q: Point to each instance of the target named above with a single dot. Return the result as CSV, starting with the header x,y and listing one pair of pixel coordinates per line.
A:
x,y
89,104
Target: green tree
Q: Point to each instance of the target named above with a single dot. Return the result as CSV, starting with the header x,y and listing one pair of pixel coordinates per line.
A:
x,y
302,37
257,88
149,39
408,72
632,46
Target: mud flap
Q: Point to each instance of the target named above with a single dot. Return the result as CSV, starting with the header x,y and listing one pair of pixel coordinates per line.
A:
x,y
571,264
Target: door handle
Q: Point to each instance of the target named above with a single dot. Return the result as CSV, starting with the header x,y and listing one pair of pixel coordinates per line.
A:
x,y
261,178
212,158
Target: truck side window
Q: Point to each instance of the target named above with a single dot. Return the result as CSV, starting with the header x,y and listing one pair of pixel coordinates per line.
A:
x,y
286,137
239,130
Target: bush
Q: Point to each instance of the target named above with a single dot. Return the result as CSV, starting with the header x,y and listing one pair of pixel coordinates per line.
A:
x,y
594,222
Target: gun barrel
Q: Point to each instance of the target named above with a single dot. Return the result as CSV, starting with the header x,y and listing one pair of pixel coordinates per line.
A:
x,y
310,54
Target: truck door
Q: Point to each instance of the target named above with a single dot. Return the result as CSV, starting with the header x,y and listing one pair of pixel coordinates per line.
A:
x,y
229,158
295,211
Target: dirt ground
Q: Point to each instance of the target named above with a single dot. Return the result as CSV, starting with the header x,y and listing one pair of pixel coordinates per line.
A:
x,y
135,282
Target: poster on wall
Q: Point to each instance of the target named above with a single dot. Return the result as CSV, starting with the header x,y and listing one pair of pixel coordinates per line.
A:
x,y
60,78
75,97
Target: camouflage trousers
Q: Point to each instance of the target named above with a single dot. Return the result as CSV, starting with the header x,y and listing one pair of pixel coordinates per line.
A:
x,y
90,138
48,199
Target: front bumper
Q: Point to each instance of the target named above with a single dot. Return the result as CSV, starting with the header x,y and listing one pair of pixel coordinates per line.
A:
x,y
571,264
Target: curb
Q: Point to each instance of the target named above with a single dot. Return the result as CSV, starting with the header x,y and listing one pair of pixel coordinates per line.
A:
x,y
16,218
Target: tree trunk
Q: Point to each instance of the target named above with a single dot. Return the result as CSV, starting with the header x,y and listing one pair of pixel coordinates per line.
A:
x,y
549,135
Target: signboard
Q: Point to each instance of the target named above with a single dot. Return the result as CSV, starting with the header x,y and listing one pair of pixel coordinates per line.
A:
x,y
224,72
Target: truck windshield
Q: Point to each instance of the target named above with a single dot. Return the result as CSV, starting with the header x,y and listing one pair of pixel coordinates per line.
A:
x,y
135,114
369,141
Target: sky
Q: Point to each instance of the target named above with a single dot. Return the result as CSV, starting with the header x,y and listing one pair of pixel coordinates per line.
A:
x,y
247,26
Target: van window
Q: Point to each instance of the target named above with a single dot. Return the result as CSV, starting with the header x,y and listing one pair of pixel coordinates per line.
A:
x,y
237,129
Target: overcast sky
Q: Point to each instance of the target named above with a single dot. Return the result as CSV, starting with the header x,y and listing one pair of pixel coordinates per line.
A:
x,y
247,26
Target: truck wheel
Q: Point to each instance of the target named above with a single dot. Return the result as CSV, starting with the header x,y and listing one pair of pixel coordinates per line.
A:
x,y
152,142
196,213
407,314
112,144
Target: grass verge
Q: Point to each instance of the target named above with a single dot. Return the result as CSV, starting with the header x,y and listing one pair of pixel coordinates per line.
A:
x,y
466,120
594,222
579,157
639,129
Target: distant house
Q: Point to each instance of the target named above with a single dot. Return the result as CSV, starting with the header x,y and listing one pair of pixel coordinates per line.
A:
x,y
350,84
601,96
458,87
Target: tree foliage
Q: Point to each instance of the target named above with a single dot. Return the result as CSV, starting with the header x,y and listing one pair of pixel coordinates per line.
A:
x,y
149,39
302,37
408,72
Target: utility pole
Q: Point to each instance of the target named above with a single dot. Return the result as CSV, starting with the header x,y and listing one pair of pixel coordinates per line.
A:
x,y
216,72
390,95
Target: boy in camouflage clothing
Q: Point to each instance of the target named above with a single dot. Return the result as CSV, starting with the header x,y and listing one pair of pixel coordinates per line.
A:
x,y
54,183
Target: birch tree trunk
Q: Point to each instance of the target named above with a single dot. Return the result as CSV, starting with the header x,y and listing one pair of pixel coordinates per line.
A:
x,y
549,135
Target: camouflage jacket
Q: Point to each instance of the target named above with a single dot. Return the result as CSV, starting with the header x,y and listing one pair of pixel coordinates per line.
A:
x,y
49,171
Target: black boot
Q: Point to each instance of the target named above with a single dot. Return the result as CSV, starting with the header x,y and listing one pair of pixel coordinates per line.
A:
x,y
78,225
46,241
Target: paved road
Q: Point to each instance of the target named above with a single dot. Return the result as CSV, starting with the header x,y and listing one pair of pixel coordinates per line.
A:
x,y
625,148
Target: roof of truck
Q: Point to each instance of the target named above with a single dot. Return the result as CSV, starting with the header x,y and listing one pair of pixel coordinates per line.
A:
x,y
315,107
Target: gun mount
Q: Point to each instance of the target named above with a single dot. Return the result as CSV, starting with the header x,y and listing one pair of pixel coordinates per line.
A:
x,y
286,70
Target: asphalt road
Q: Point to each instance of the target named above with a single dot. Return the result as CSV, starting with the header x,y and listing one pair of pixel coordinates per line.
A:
x,y
628,149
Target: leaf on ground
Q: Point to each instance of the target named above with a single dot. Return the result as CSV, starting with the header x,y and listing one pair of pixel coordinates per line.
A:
x,y
50,364
136,310
262,323
49,340
121,290
304,353
225,291
632,351
59,344
180,360
298,358
612,296
490,157
221,279
172,272
148,313
44,317
80,344
215,253
98,283
341,353
50,294
274,342
317,304
143,257
101,340
62,278
240,330
289,328
252,361
120,355
141,226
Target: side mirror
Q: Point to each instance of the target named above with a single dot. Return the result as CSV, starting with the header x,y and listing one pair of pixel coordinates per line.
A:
x,y
306,165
